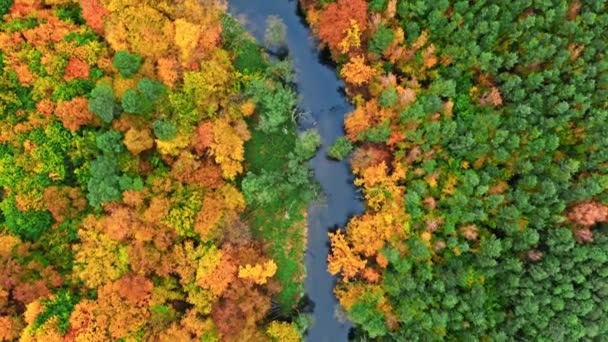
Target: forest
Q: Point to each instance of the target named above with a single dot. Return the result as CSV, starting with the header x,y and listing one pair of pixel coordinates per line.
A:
x,y
478,140
154,187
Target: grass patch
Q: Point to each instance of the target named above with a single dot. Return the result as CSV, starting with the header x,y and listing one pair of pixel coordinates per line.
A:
x,y
280,223
269,150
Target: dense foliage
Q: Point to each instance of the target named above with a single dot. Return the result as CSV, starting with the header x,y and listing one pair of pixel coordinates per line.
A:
x,y
481,153
153,184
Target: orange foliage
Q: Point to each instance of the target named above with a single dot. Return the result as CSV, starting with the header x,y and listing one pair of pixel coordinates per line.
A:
x,y
76,69
24,7
52,31
356,122
94,13
335,20
168,70
75,113
63,203
356,71
209,216
45,107
203,137
135,289
117,313
218,276
9,328
587,214
342,258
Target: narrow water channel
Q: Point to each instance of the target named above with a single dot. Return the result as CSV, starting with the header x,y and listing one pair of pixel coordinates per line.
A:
x,y
320,92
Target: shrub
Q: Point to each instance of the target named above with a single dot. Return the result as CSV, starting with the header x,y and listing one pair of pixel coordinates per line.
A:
x,y
340,149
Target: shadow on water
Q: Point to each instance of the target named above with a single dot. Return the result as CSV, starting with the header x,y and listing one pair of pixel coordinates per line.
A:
x,y
322,98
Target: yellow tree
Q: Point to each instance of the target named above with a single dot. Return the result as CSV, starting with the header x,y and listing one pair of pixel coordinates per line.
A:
x,y
227,148
356,71
342,258
259,273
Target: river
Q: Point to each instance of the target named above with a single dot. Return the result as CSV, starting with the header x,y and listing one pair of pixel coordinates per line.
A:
x,y
322,96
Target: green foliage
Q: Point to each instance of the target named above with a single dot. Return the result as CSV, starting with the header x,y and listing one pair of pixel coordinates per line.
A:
x,y
5,6
377,5
496,141
102,102
83,37
126,63
379,134
110,142
18,25
233,33
151,90
29,225
307,144
381,40
68,90
164,129
60,307
70,12
275,103
561,297
249,58
133,102
364,313
103,186
388,97
340,149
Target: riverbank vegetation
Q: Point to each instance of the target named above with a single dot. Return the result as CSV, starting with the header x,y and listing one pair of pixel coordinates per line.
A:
x,y
153,182
480,149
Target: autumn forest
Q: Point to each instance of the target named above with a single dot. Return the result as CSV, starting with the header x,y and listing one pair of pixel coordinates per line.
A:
x,y
156,176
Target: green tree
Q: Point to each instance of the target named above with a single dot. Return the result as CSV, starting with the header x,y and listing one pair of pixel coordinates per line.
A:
x,y
165,129
126,63
381,40
102,102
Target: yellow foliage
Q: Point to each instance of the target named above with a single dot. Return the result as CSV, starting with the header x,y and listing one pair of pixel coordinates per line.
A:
x,y
352,38
450,185
283,332
259,273
342,258
227,148
233,198
7,243
356,71
173,147
202,299
98,259
186,39
140,29
138,141
121,84
369,233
